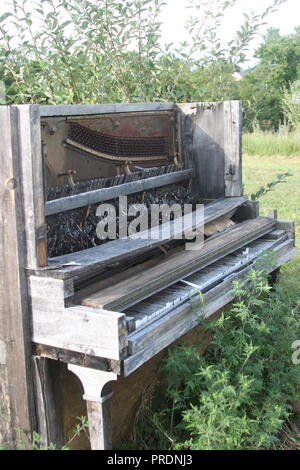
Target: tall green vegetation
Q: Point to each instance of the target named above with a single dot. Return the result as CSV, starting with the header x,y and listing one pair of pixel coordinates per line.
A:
x,y
266,88
82,51
286,139
291,105
267,143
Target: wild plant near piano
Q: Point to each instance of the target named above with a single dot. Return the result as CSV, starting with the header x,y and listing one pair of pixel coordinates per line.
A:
x,y
36,441
239,394
280,178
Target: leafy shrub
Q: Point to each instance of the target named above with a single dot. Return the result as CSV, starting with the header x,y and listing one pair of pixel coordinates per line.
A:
x,y
76,51
238,395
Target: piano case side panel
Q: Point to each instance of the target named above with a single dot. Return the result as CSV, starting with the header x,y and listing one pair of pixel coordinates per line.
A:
x,y
211,144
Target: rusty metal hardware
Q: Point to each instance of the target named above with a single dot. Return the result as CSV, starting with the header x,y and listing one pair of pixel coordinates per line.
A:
x,y
70,174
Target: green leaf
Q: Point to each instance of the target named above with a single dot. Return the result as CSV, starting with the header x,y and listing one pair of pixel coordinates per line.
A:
x,y
4,16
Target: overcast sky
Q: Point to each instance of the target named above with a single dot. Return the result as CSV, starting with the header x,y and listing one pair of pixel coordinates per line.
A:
x,y
174,15
287,17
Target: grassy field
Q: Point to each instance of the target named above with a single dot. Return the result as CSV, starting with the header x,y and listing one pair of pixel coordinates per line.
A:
x,y
258,171
269,143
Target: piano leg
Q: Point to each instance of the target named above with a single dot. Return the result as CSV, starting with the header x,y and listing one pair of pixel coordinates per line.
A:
x,y
97,393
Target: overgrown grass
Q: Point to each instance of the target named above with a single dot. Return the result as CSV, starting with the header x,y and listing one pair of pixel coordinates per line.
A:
x,y
258,171
270,143
236,396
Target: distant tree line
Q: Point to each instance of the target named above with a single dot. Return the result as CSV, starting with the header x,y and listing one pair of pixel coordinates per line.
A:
x,y
265,88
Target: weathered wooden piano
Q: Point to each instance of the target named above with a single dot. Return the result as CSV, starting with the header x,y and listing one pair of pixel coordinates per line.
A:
x,y
104,306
